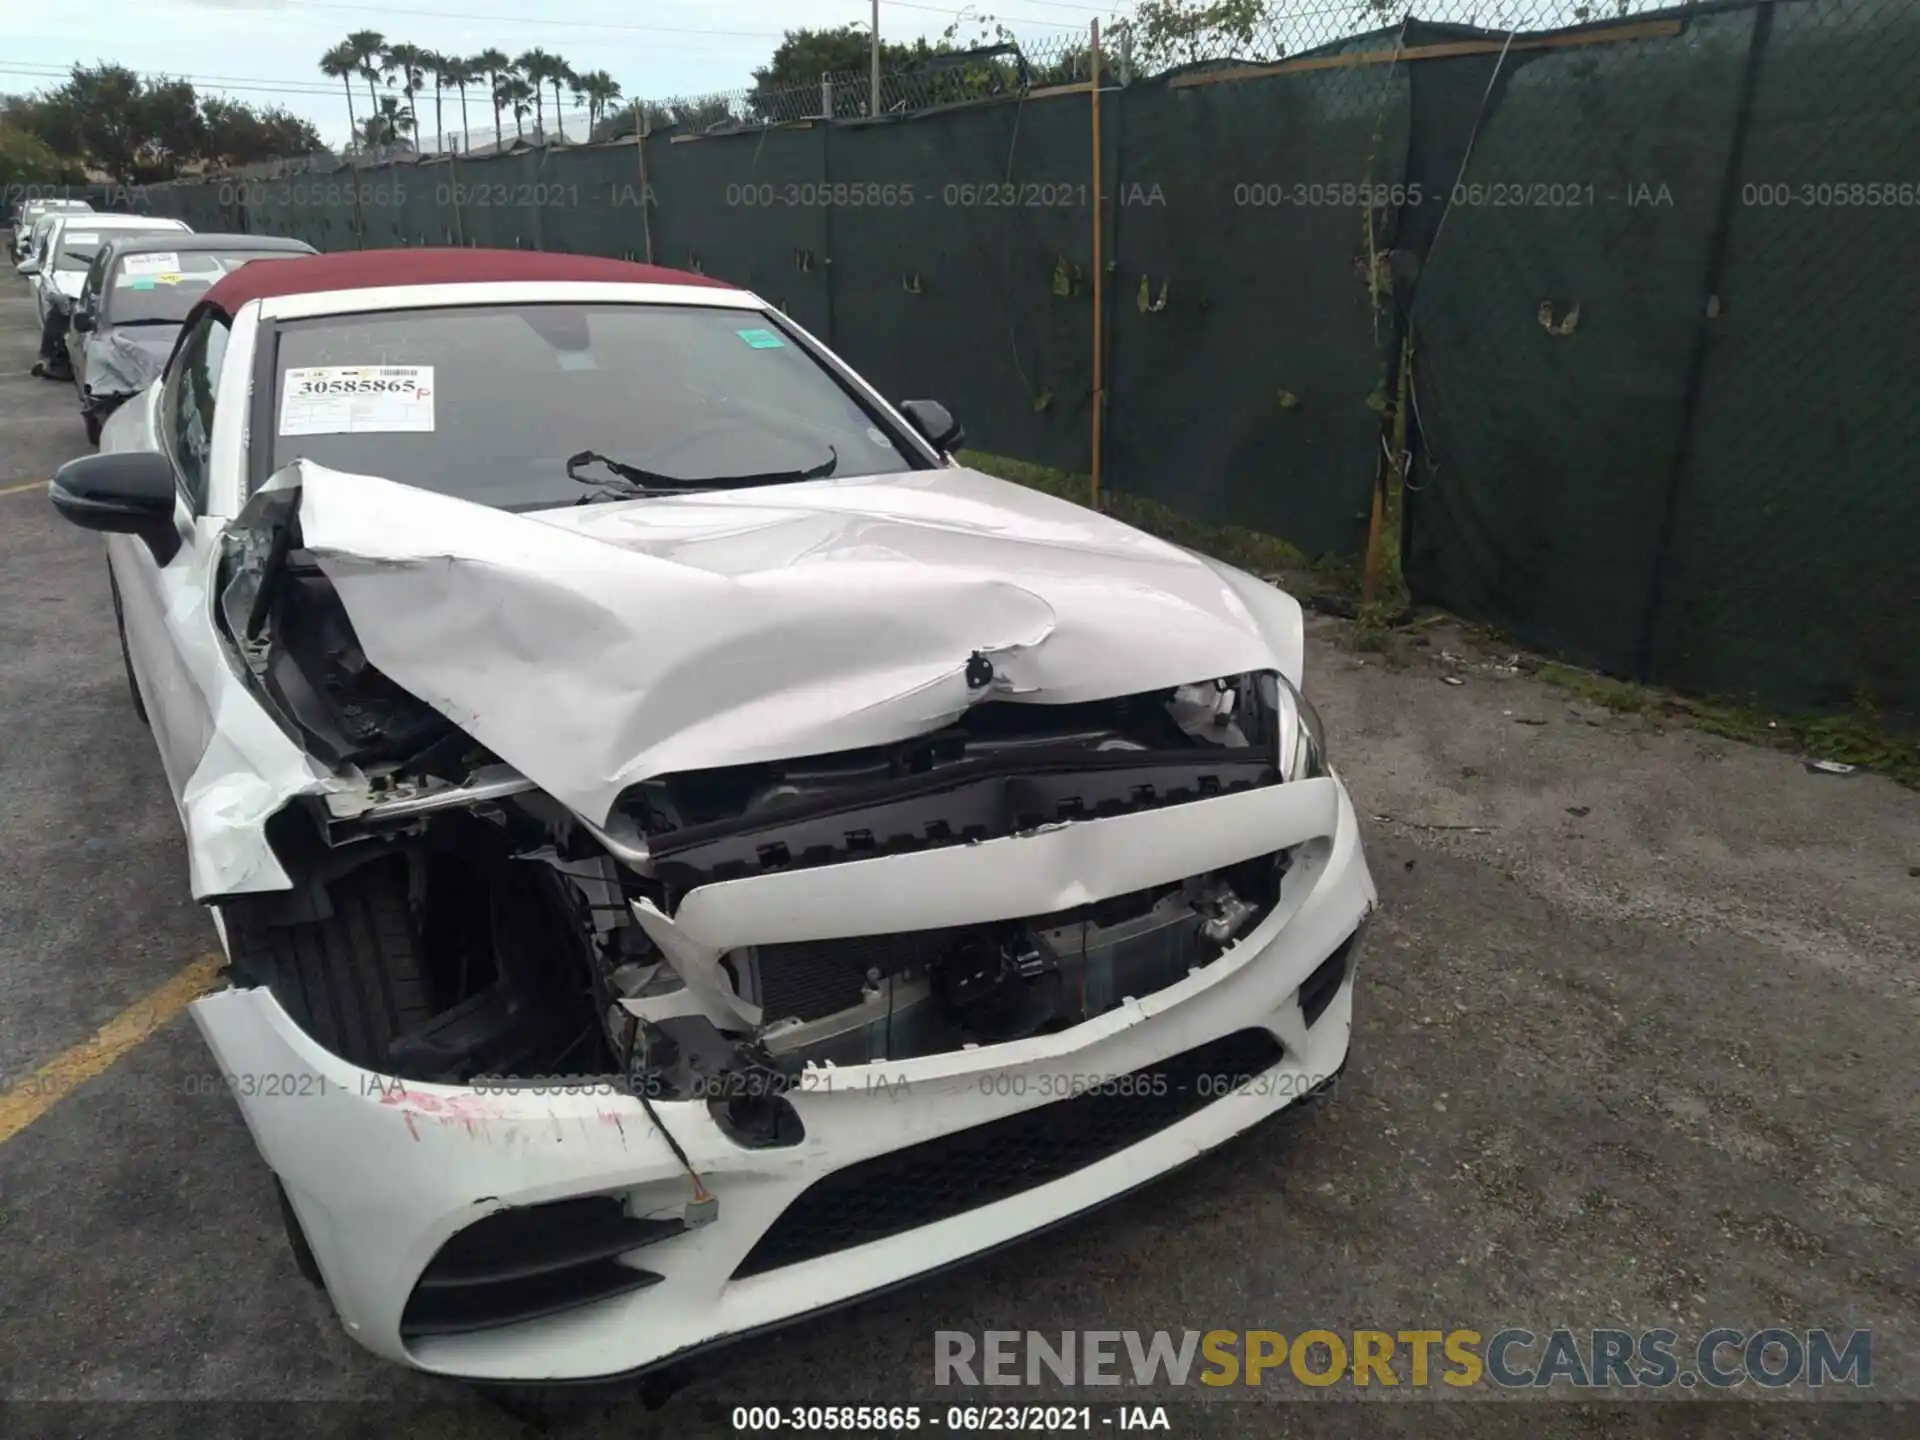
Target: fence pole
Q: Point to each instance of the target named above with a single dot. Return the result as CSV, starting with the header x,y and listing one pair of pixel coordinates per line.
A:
x,y
873,99
642,127
1099,277
826,95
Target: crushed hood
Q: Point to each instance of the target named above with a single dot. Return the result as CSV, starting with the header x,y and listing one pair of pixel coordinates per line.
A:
x,y
125,362
595,646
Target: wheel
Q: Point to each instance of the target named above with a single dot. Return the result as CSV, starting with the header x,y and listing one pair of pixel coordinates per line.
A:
x,y
355,981
126,658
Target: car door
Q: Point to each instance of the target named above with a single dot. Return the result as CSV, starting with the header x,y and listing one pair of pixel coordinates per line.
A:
x,y
43,265
160,604
89,305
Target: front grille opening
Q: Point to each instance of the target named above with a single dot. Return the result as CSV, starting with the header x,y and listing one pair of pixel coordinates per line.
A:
x,y
534,1260
867,999
940,1178
1324,983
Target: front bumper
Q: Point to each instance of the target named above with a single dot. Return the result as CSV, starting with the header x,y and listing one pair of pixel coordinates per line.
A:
x,y
382,1176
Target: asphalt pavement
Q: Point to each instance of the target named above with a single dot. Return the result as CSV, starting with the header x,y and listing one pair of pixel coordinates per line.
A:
x,y
1635,1047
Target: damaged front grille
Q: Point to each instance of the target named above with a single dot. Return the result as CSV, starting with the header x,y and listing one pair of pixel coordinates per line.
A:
x,y
890,997
938,1179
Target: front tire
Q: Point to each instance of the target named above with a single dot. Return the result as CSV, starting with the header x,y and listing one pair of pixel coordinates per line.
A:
x,y
126,656
356,980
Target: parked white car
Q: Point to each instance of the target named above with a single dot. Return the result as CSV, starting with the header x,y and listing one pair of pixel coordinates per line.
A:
x,y
689,852
30,211
58,266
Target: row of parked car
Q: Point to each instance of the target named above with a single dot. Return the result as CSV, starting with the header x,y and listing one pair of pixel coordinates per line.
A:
x,y
111,292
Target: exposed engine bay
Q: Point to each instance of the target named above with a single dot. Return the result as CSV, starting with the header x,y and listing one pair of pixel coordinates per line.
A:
x,y
540,930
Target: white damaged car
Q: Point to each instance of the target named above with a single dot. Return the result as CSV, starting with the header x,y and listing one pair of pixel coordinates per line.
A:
x,y
690,853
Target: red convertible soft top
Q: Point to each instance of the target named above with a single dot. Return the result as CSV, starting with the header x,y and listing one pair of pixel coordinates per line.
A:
x,y
427,265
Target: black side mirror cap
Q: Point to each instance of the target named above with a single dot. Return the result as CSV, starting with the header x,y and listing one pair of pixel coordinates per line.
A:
x,y
126,492
936,423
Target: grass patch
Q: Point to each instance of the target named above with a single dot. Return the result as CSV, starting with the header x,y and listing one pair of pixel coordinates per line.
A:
x,y
1859,738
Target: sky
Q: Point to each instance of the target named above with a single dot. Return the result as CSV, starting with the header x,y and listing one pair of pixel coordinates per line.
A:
x,y
268,51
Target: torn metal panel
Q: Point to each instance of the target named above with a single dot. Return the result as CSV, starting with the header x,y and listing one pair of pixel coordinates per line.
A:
x,y
595,647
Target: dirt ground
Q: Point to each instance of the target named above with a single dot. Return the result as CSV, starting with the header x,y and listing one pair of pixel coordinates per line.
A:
x,y
1635,1046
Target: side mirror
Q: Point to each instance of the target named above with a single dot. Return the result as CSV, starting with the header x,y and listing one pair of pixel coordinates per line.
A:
x,y
936,423
128,492
83,321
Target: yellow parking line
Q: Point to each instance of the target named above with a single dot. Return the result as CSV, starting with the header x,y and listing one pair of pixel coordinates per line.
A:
x,y
25,1098
23,489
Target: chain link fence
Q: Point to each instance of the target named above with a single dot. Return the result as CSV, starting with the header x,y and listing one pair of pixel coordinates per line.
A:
x,y
1624,299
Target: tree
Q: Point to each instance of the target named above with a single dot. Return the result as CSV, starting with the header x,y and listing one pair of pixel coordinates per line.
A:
x,y
241,135
135,130
513,92
435,64
369,50
1181,32
389,123
409,63
540,69
26,159
342,62
460,73
143,130
786,85
602,93
494,66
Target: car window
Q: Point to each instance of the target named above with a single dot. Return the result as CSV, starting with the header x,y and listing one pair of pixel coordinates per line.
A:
x,y
80,241
96,276
187,407
488,402
159,287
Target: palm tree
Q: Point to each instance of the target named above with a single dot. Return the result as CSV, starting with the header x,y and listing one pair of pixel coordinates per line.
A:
x,y
343,63
601,91
369,48
540,68
435,65
561,74
409,63
494,66
459,73
388,122
513,92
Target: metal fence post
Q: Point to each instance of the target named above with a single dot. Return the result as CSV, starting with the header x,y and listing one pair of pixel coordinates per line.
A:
x,y
826,95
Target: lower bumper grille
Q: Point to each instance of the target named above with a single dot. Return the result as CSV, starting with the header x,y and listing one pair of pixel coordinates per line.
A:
x,y
938,1179
524,1263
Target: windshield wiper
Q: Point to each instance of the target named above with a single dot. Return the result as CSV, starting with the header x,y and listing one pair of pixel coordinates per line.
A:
x,y
144,320
651,482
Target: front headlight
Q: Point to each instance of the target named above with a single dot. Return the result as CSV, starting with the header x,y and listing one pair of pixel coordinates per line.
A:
x,y
1302,739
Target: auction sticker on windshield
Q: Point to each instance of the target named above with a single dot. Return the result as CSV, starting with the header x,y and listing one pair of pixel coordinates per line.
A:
x,y
164,262
357,400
